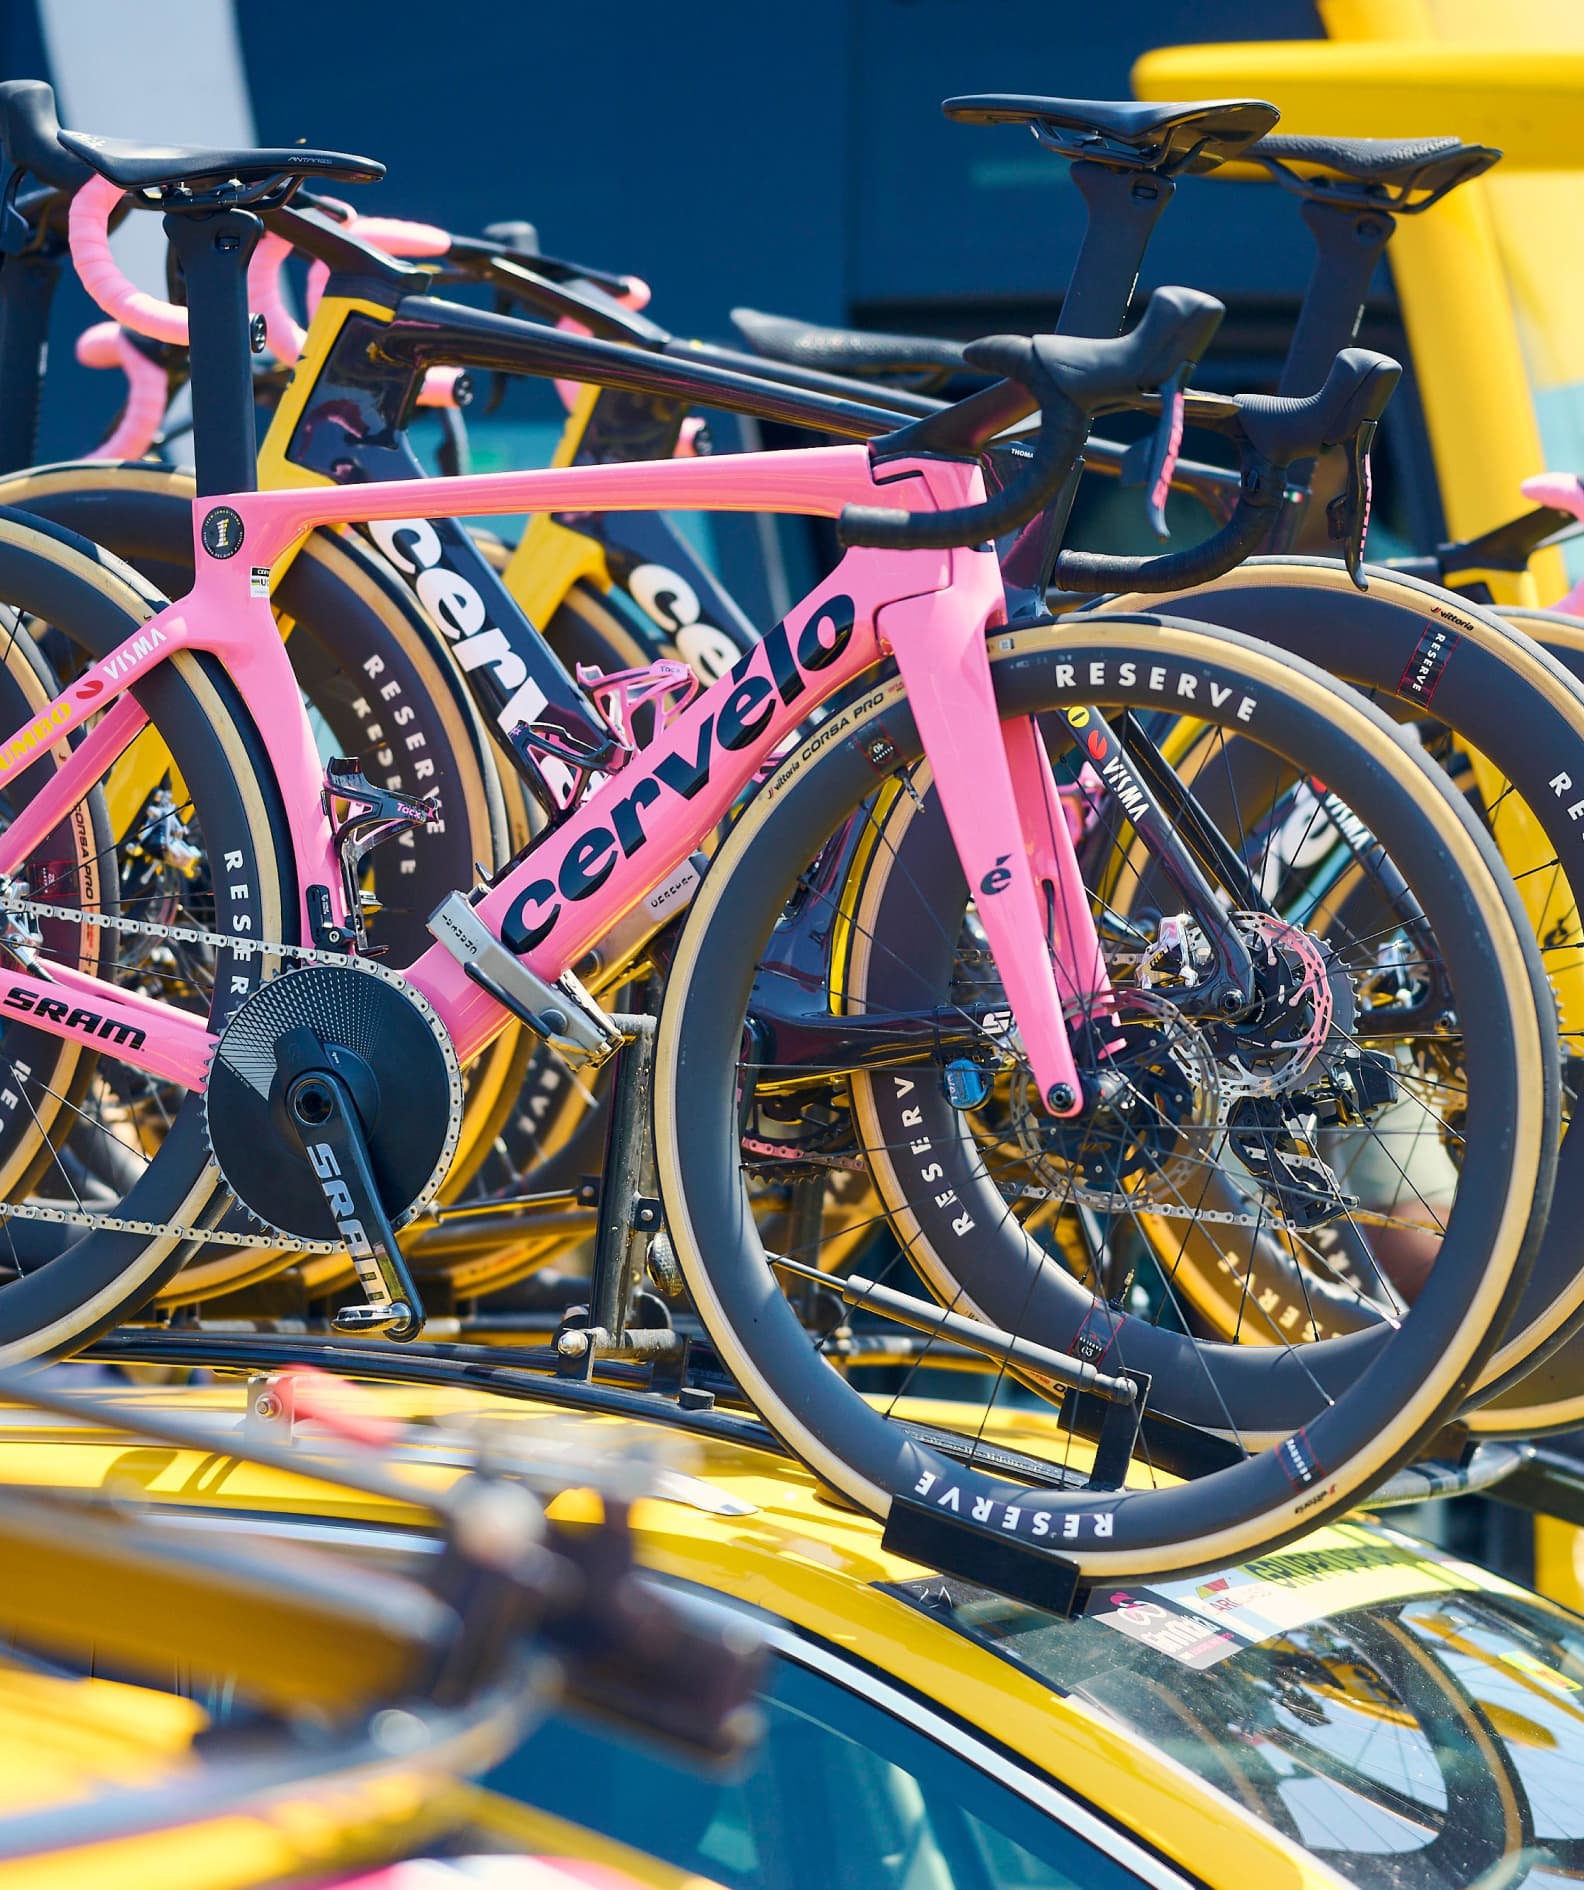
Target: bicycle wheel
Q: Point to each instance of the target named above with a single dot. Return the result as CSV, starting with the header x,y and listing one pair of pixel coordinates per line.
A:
x,y
379,686
1504,711
1310,1426
1544,1392
209,841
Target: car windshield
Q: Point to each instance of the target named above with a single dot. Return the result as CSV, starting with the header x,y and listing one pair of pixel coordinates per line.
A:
x,y
1415,1723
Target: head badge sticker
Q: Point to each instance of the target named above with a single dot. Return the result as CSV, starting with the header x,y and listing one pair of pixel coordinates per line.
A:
x,y
222,532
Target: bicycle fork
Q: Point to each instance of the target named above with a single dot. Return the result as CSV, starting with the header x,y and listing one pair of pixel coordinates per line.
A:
x,y
1006,820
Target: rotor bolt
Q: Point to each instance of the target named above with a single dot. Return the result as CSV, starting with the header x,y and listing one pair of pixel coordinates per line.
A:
x,y
1061,1097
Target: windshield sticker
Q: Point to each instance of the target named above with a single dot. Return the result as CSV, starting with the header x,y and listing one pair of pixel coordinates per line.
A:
x,y
1335,1569
1160,1624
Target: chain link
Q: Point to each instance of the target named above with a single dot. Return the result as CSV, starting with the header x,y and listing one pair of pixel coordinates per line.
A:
x,y
313,955
1137,1205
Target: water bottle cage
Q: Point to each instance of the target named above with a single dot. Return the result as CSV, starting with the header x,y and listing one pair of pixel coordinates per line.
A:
x,y
667,686
373,814
670,685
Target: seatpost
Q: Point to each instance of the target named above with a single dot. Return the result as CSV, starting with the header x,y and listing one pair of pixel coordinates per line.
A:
x,y
214,249
1123,208
30,266
1349,243
27,288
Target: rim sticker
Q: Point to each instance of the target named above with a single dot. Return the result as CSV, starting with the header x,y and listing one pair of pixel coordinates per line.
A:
x,y
1422,674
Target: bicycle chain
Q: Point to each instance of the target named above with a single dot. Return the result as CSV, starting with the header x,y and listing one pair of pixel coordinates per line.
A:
x,y
182,935
1131,1204
315,955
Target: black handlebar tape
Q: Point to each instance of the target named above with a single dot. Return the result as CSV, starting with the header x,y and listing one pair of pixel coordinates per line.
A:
x,y
1069,378
880,528
1357,389
1241,537
30,134
1176,328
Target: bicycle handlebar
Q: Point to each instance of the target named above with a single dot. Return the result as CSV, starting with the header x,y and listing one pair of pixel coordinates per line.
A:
x,y
1068,379
163,320
1277,432
30,133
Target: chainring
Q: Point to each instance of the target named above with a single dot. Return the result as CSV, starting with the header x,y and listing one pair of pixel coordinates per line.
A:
x,y
409,1096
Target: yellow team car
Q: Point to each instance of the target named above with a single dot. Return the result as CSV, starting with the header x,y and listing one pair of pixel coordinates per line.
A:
x,y
1356,1708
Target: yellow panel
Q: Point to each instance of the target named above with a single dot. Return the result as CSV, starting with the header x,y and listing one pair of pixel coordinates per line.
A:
x,y
550,557
1559,1561
1528,106
1479,336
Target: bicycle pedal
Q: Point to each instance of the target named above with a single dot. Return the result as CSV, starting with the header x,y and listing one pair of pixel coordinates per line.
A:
x,y
372,1318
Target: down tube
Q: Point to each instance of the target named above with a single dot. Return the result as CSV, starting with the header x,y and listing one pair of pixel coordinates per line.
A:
x,y
646,819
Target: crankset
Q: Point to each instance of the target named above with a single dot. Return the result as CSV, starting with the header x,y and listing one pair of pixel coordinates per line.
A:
x,y
333,1111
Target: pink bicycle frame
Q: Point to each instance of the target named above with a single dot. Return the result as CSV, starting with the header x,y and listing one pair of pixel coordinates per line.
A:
x,y
931,610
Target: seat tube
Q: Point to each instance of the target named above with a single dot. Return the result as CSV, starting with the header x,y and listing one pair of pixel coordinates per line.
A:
x,y
938,640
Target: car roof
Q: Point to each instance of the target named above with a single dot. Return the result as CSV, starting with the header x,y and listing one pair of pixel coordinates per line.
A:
x,y
736,1517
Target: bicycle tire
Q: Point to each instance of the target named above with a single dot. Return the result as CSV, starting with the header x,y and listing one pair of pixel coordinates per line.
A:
x,y
1353,1441
60,579
345,610
1543,1393
1518,699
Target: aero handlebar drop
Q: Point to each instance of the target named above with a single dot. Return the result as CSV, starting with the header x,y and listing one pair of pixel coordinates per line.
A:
x,y
1275,432
1069,379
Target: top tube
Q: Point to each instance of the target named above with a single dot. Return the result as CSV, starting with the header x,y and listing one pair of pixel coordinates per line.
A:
x,y
816,481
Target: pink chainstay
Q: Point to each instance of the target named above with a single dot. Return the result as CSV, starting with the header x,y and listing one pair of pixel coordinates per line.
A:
x,y
931,610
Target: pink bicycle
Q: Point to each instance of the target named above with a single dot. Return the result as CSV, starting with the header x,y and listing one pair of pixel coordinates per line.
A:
x,y
281,1088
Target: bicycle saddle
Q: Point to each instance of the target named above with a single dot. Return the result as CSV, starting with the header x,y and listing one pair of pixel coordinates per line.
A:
x,y
30,134
147,166
849,351
1368,170
1126,134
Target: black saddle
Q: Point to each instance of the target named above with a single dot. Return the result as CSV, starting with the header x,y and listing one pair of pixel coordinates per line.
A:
x,y
919,361
1127,135
1407,174
162,166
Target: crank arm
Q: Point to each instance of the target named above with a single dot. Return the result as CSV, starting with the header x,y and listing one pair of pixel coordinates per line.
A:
x,y
324,1118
